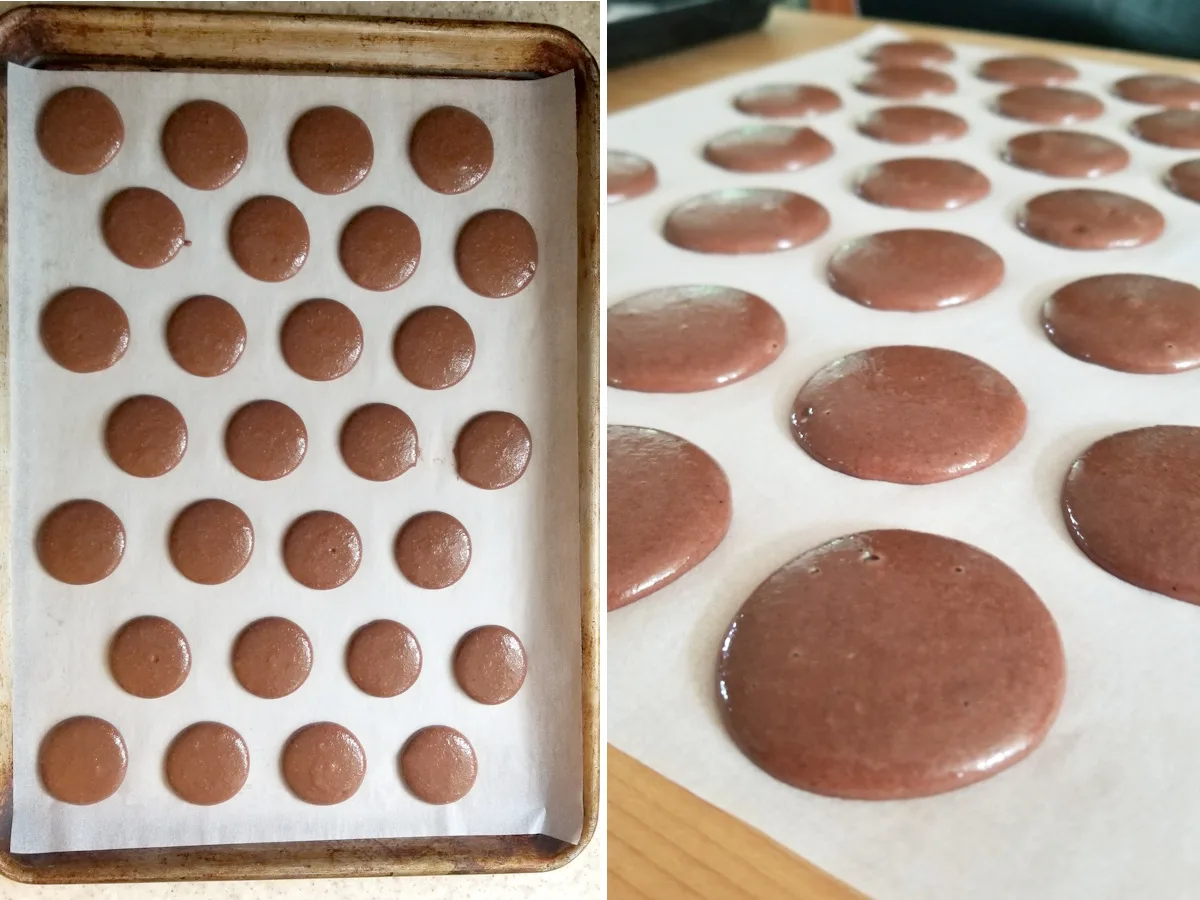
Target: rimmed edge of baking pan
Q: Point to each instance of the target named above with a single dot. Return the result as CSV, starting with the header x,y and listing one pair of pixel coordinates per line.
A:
x,y
158,39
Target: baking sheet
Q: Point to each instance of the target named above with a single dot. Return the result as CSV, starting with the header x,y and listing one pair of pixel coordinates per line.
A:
x,y
524,571
1107,807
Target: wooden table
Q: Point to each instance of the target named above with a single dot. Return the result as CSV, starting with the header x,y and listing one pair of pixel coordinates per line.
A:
x,y
664,842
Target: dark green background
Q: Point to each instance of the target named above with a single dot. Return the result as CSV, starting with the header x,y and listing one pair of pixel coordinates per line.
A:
x,y
1168,27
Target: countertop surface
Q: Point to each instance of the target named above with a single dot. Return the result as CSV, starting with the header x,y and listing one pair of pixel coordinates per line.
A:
x,y
582,878
662,840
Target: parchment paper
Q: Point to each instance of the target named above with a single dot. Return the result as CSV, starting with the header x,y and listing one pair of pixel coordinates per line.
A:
x,y
1109,806
524,569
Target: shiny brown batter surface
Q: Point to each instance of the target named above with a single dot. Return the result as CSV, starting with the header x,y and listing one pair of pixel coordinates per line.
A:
x,y
438,764
82,760
434,348
79,130
204,144
433,550
890,664
143,228
211,541
383,658
80,542
496,253
1048,105
84,330
493,450
489,664
380,248
1172,91
1066,154
265,439
669,507
912,125
922,184
909,415
768,148
207,763
206,336
146,436
451,149
321,339
1085,219
1131,323
1131,501
746,220
1184,179
906,82
330,149
268,238
149,657
323,764
1027,71
691,338
629,176
1179,128
379,442
272,657
911,53
915,269
322,550
792,101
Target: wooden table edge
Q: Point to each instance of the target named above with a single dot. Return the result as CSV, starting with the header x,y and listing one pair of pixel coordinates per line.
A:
x,y
665,842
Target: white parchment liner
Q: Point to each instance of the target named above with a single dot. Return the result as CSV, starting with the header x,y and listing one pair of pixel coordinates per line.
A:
x,y
524,570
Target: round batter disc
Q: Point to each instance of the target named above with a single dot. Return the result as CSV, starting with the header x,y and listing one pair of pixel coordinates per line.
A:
x,y
691,338
912,125
668,508
922,183
1131,501
909,415
1065,154
1087,219
745,220
1132,323
1027,71
890,664
915,269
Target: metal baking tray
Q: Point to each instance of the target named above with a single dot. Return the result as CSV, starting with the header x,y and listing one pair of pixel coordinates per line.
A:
x,y
94,37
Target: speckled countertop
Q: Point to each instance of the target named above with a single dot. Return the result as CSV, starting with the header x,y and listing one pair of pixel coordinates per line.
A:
x,y
585,876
